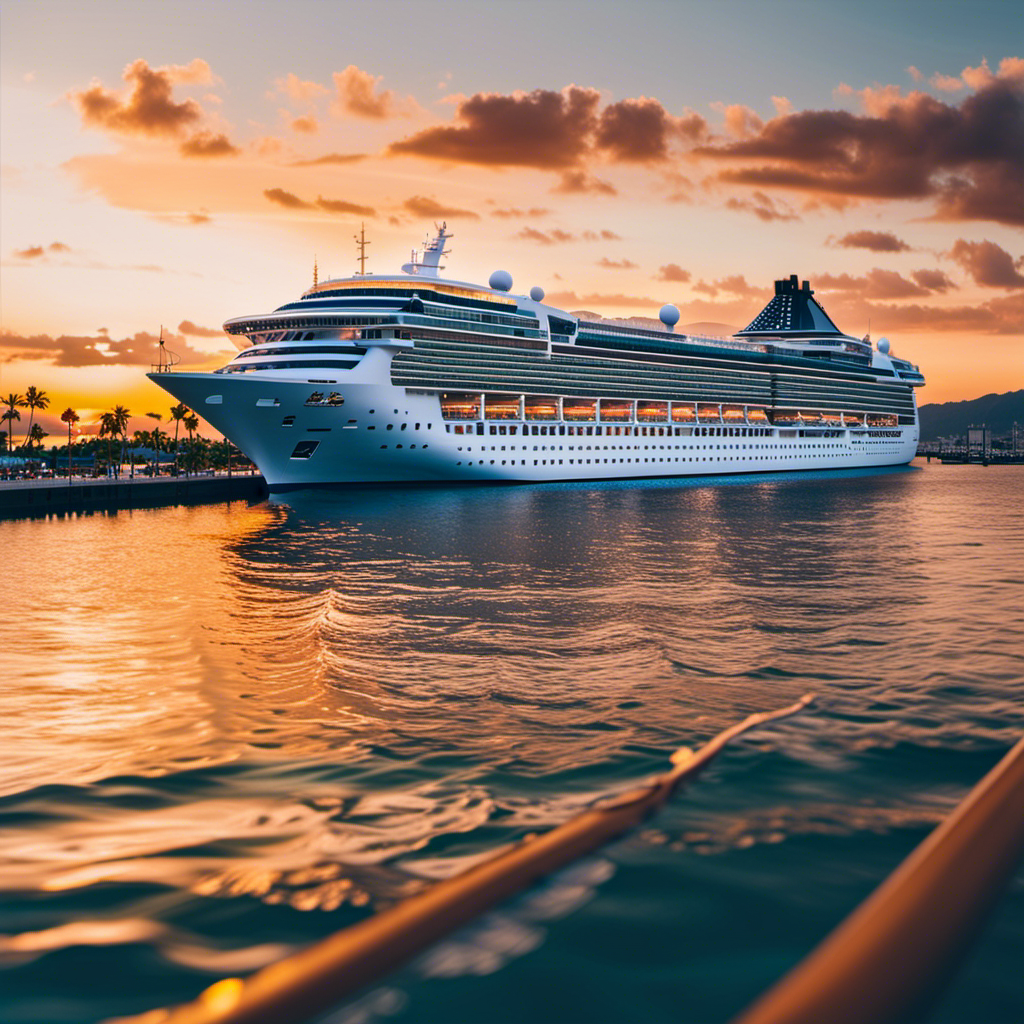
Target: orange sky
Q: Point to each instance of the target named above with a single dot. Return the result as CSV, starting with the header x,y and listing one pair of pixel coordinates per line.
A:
x,y
158,179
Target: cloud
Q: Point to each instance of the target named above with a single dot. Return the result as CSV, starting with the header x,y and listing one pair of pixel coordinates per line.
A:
x,y
763,207
331,158
634,131
601,236
989,264
286,199
877,284
1003,315
933,280
298,90
555,235
290,201
947,83
357,94
187,327
307,124
875,241
99,349
616,264
35,252
735,284
421,206
672,272
183,219
544,129
148,110
580,181
206,144
341,206
741,122
533,211
965,158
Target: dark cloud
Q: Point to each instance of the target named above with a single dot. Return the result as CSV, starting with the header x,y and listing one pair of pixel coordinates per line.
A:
x,y
357,94
187,327
206,144
609,264
149,109
967,158
933,280
989,264
763,207
533,211
422,206
286,199
99,350
545,129
634,131
341,206
672,272
880,284
331,158
580,181
875,241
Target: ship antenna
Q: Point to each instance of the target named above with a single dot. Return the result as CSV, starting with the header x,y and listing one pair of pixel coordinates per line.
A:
x,y
361,244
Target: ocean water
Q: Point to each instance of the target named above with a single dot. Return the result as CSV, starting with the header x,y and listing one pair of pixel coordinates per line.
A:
x,y
229,730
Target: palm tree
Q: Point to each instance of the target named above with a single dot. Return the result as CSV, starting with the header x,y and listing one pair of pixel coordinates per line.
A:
x,y
191,422
120,416
156,437
36,435
14,402
34,399
178,413
70,417
108,429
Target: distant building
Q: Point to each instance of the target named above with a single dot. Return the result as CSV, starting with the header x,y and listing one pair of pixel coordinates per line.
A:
x,y
979,440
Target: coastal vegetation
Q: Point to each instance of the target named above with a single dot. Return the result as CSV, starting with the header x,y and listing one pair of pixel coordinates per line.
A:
x,y
113,447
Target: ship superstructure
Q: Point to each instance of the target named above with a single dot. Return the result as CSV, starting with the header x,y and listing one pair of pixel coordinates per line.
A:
x,y
414,377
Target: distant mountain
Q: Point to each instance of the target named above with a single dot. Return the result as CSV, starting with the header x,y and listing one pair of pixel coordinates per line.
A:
x,y
951,419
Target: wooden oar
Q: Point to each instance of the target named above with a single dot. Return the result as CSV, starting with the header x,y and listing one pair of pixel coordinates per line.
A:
x,y
315,979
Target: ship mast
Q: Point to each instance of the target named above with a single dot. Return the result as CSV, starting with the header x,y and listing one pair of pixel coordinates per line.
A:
x,y
361,244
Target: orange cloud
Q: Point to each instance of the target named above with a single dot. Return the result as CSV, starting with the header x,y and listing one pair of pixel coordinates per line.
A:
x,y
357,94
580,181
672,272
98,350
307,124
206,144
609,264
298,90
875,241
148,110
330,158
421,206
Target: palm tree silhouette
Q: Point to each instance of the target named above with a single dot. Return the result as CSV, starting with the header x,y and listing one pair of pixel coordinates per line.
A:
x,y
119,418
108,429
36,435
178,413
191,422
34,399
156,437
14,402
70,417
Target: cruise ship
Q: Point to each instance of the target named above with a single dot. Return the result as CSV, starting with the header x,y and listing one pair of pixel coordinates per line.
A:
x,y
412,377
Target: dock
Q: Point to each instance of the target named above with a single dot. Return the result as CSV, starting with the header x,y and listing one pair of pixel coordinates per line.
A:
x,y
20,498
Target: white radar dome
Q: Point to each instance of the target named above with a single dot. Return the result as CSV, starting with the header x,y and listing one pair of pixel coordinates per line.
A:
x,y
501,281
537,293
669,315
883,346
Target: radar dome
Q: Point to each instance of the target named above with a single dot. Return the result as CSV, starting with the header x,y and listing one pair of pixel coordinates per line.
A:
x,y
669,315
501,281
883,346
537,293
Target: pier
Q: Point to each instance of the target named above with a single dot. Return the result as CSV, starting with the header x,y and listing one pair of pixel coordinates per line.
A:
x,y
42,497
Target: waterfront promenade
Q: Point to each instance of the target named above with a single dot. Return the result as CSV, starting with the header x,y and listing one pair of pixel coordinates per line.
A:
x,y
83,494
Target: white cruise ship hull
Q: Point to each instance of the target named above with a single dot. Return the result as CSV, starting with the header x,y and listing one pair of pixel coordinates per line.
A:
x,y
381,433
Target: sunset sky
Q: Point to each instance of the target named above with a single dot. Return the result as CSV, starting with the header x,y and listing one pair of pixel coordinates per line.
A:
x,y
178,164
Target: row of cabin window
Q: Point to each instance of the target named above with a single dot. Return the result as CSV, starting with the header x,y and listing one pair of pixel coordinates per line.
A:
x,y
606,431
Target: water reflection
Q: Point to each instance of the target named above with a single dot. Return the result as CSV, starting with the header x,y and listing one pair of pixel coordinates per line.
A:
x,y
316,703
